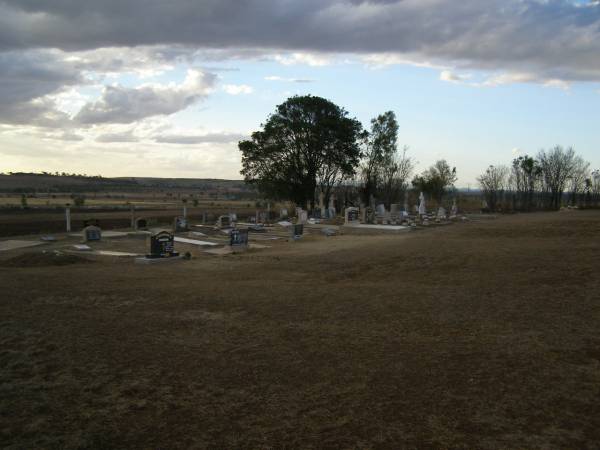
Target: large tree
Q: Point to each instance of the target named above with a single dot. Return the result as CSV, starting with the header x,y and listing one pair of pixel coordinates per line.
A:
x,y
308,142
493,182
384,170
557,166
436,180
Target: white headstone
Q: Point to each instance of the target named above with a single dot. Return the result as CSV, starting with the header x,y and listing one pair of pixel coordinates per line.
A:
x,y
302,216
422,207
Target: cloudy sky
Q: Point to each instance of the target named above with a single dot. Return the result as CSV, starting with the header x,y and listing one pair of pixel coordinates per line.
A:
x,y
168,88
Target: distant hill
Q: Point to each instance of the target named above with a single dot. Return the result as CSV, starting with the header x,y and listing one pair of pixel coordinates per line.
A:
x,y
33,182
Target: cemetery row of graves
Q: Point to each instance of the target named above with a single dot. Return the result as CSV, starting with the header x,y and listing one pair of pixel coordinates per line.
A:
x,y
148,242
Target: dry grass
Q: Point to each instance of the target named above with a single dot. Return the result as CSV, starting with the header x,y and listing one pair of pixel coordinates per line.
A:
x,y
479,335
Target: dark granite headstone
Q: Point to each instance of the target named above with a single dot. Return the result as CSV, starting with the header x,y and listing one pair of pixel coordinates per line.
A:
x,y
297,230
238,238
92,233
353,215
162,245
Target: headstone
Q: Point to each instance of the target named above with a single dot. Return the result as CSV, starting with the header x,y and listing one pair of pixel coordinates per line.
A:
x,y
441,214
422,207
233,217
454,210
380,209
238,238
92,233
162,245
302,216
180,224
351,216
263,216
224,222
406,200
283,213
297,231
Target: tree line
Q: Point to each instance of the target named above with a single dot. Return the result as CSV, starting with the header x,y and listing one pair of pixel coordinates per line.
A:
x,y
551,179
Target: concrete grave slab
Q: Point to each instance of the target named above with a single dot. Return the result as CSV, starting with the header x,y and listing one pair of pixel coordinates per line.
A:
x,y
373,229
194,242
14,244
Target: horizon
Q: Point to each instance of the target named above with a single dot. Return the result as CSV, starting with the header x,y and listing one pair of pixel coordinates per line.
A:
x,y
171,91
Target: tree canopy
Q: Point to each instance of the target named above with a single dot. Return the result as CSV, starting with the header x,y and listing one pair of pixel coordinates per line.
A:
x,y
309,141
436,180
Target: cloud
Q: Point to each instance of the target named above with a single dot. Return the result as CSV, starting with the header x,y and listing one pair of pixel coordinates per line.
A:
x,y
552,39
28,80
237,89
447,75
126,136
290,80
210,138
119,104
69,136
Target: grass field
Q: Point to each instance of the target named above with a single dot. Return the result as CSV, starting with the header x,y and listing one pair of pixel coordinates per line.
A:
x,y
477,335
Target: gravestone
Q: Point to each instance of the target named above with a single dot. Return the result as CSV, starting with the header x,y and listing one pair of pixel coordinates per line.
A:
x,y
238,238
351,216
283,213
331,211
441,214
180,224
92,233
141,223
302,216
162,245
422,207
454,210
233,217
297,231
224,222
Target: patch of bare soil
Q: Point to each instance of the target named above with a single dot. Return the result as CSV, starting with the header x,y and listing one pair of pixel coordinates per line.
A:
x,y
483,334
43,259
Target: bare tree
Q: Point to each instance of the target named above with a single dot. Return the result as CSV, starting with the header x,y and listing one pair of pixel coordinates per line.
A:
x,y
396,170
525,180
493,182
581,172
557,165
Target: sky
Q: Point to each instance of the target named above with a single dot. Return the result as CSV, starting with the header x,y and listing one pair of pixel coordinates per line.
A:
x,y
167,89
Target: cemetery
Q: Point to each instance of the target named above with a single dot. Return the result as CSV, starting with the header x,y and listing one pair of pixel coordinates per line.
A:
x,y
148,242
250,317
